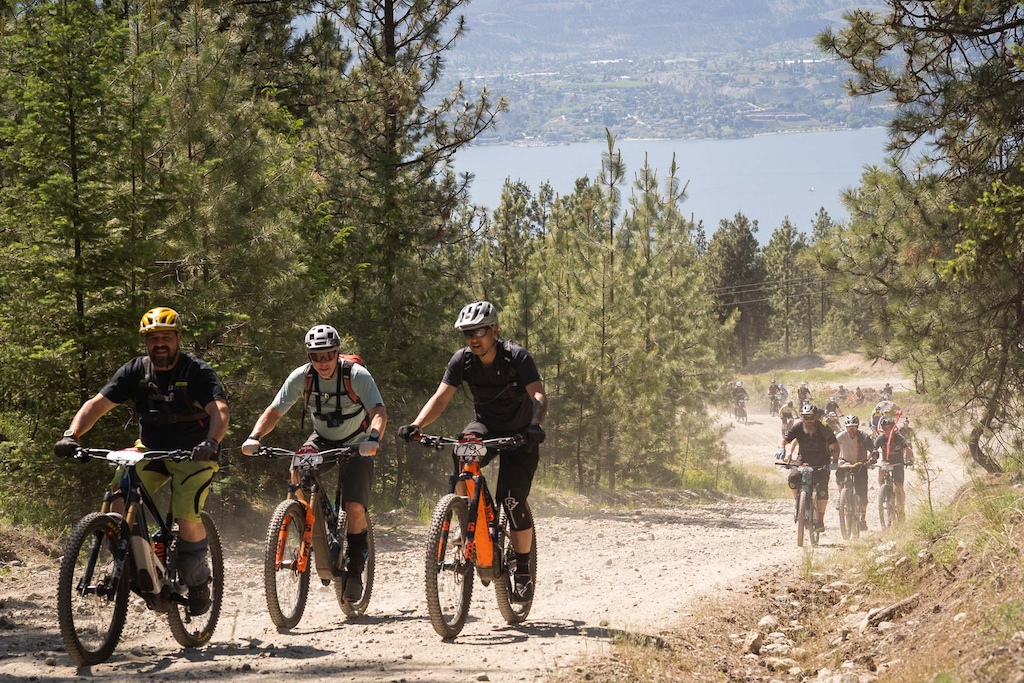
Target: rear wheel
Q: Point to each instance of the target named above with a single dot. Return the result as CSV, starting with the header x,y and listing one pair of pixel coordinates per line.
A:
x,y
354,609
193,630
512,612
886,506
449,575
91,605
286,587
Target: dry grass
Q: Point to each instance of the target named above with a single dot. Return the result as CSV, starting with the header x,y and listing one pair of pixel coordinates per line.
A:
x,y
966,564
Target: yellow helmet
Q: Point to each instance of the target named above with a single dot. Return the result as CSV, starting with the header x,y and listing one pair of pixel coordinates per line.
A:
x,y
160,318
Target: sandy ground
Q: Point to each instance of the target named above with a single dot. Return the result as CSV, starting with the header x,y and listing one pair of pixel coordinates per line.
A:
x,y
600,576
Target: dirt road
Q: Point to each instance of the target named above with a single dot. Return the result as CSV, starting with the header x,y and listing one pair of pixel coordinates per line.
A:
x,y
600,576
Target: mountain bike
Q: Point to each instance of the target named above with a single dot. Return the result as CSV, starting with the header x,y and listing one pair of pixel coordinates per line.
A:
x,y
806,502
740,410
481,539
888,514
849,501
310,530
776,405
109,555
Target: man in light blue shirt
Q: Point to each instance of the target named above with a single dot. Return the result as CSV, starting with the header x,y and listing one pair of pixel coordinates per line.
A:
x,y
346,407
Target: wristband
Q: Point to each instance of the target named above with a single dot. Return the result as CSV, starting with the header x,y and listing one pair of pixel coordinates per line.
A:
x,y
374,435
254,437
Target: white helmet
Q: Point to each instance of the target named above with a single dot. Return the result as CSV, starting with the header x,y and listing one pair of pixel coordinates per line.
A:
x,y
739,384
477,314
322,338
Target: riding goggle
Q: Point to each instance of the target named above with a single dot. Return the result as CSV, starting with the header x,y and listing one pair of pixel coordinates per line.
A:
x,y
323,356
475,333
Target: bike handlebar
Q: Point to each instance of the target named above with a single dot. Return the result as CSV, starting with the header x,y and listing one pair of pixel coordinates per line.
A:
x,y
332,454
500,443
793,465
130,456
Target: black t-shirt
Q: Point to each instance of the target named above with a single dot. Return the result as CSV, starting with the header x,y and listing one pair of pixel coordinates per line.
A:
x,y
187,387
891,449
499,393
814,447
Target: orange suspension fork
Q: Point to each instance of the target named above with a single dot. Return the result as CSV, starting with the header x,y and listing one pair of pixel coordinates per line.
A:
x,y
302,561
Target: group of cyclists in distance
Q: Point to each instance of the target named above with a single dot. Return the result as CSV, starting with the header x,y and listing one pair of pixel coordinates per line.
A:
x,y
833,437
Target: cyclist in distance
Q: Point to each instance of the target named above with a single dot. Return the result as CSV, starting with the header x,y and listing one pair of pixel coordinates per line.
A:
x,y
181,404
855,447
833,406
347,409
787,414
886,392
818,448
842,393
508,399
803,393
894,450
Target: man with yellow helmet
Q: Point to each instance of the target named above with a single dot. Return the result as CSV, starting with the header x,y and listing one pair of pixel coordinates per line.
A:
x,y
181,405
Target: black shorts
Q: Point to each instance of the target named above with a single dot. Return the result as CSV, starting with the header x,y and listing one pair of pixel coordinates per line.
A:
x,y
356,472
515,469
860,481
820,480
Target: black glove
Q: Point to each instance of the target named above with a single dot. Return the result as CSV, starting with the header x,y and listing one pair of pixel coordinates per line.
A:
x,y
205,450
408,432
66,447
535,435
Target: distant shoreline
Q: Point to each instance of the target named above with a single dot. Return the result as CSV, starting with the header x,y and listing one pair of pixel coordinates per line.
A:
x,y
565,143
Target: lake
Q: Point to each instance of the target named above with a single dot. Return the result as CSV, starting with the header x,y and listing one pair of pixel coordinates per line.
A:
x,y
766,178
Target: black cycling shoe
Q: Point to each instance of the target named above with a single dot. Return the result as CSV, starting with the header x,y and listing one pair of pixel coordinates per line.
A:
x,y
199,601
522,588
353,589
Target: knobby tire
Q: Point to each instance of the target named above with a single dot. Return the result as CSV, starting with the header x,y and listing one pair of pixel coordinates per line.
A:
x,y
886,506
357,608
449,576
801,516
849,513
91,621
196,630
812,519
513,612
286,588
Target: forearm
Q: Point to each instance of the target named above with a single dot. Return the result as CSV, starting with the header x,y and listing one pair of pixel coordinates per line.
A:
x,y
378,420
266,422
220,418
91,411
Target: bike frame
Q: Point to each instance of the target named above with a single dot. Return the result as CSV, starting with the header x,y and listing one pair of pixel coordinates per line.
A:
x,y
320,514
485,534
137,501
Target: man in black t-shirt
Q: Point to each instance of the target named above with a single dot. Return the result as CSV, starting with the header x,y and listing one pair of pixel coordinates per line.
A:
x,y
894,449
818,448
508,398
181,405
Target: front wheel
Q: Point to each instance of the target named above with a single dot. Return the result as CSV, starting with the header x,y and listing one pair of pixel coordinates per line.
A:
x,y
512,612
812,519
286,587
802,515
886,506
193,630
849,513
357,608
91,602
449,575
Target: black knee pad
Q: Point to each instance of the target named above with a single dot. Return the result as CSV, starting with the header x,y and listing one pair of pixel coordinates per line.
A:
x,y
519,517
